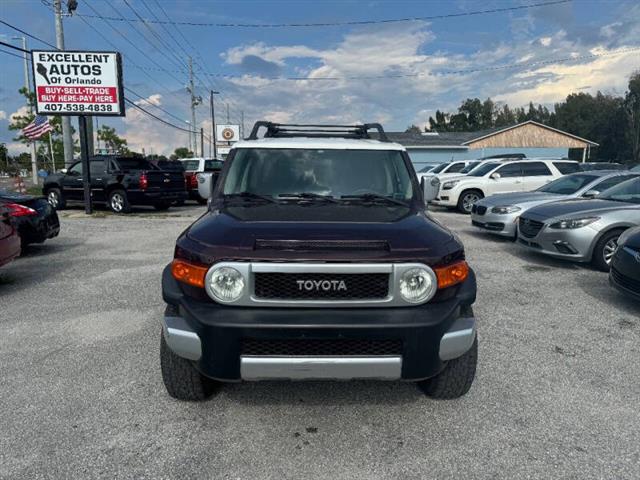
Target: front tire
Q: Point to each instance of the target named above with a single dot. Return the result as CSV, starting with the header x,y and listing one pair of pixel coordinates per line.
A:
x,y
604,250
456,378
56,199
201,201
118,202
467,199
162,207
181,378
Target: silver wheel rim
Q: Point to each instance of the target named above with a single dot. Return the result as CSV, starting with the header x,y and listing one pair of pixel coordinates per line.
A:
x,y
53,199
468,200
609,249
117,202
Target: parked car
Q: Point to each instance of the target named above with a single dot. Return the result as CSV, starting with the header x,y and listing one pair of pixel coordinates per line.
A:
x,y
9,238
194,166
427,168
582,230
498,214
35,219
497,177
120,182
207,182
591,166
317,260
625,265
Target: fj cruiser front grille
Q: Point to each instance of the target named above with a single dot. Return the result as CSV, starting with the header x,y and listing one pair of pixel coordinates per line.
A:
x,y
321,347
529,228
321,286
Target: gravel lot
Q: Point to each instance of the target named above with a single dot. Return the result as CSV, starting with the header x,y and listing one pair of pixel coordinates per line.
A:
x,y
81,396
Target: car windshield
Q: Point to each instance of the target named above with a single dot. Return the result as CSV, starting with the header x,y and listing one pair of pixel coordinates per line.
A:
x,y
134,164
440,167
628,192
483,169
469,167
568,185
328,172
426,169
191,165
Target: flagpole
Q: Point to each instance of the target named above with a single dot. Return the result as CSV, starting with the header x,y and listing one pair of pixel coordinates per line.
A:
x,y
53,160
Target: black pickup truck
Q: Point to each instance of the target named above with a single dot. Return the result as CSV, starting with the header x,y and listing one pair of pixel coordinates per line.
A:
x,y
119,182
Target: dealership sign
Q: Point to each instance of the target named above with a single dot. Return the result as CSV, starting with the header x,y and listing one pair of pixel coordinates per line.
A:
x,y
78,83
228,133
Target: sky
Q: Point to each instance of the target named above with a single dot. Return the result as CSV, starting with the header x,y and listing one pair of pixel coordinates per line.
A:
x,y
425,64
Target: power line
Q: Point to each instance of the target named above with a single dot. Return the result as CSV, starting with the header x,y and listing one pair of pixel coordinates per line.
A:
x,y
349,23
153,104
422,74
27,34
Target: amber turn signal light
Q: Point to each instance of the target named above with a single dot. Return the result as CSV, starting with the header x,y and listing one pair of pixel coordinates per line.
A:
x,y
452,274
188,273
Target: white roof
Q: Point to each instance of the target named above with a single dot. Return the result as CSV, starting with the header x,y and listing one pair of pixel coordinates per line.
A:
x,y
319,143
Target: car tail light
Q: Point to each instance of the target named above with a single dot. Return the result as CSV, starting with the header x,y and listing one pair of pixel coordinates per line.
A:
x,y
188,273
144,181
452,274
16,210
193,181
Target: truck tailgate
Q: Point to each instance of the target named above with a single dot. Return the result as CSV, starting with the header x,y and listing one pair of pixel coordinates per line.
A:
x,y
165,180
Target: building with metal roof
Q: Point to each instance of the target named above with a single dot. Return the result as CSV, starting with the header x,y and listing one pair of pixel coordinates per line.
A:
x,y
531,138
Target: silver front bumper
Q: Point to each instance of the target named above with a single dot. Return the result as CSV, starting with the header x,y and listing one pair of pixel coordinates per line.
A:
x,y
186,343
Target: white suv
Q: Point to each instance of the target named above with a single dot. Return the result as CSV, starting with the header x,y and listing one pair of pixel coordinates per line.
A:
x,y
499,177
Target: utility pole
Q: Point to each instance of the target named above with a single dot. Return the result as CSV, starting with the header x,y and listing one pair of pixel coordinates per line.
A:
x,y
67,140
213,124
228,114
195,100
202,142
34,154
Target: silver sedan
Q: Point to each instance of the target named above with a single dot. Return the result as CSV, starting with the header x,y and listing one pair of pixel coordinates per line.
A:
x,y
582,230
498,214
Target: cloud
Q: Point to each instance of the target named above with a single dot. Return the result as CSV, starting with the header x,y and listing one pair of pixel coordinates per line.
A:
x,y
21,112
3,115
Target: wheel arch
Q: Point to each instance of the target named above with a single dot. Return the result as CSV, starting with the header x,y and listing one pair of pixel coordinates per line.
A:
x,y
622,226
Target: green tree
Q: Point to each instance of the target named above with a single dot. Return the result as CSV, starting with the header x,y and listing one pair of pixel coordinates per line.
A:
x,y
112,141
632,111
413,129
181,152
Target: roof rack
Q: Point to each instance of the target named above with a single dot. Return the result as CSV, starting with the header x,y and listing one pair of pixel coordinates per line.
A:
x,y
289,130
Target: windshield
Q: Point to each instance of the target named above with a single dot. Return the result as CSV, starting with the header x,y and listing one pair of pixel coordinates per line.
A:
x,y
469,167
628,191
483,169
440,167
212,165
191,165
426,169
568,185
335,173
134,164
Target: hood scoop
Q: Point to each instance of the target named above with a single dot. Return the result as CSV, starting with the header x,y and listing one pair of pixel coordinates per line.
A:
x,y
322,245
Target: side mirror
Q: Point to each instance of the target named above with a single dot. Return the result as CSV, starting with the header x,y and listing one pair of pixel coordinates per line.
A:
x,y
63,170
591,193
430,188
495,176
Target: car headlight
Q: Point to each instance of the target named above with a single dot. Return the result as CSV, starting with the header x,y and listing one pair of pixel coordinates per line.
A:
x,y
449,185
435,181
503,210
417,285
572,223
225,284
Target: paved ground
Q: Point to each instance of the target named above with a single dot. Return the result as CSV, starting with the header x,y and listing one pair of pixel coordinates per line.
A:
x,y
81,395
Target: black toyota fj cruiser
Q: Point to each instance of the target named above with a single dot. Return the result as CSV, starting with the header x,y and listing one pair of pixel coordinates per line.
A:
x,y
317,260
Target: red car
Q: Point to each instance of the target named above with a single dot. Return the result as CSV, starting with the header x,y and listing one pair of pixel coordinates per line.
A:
x,y
9,239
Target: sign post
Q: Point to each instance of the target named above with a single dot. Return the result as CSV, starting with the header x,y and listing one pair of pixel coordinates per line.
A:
x,y
79,83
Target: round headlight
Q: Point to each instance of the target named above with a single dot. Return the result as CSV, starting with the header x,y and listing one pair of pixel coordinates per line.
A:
x,y
417,285
226,284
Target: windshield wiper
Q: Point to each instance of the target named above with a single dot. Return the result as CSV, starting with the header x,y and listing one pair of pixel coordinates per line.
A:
x,y
372,197
308,196
251,196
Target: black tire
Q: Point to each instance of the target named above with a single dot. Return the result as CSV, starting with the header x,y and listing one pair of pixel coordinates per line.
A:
x,y
201,201
118,202
56,199
466,200
163,206
181,379
603,251
456,379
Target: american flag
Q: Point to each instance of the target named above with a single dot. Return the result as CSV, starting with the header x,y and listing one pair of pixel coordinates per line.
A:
x,y
37,128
